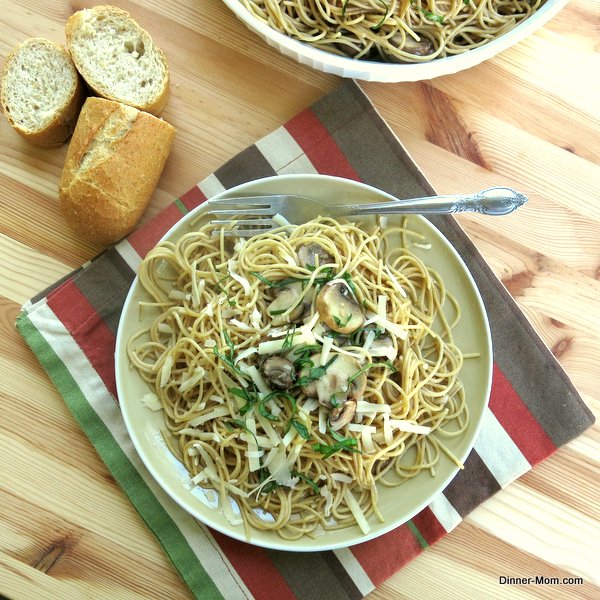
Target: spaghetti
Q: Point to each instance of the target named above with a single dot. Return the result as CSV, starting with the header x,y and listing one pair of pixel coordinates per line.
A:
x,y
402,31
299,370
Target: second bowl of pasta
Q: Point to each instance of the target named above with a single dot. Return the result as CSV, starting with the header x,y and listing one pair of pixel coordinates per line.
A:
x,y
397,40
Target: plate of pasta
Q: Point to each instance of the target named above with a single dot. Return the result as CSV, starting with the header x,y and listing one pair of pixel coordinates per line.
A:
x,y
393,40
311,387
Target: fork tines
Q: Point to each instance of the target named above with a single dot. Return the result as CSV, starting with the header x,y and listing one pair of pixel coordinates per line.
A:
x,y
248,216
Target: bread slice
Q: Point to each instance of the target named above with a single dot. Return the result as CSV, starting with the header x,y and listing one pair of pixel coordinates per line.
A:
x,y
117,58
113,165
41,92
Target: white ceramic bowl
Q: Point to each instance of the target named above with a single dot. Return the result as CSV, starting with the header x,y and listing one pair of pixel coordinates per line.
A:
x,y
398,504
389,72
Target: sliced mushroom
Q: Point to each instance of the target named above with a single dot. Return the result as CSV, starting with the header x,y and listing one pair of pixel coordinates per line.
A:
x,y
341,416
279,372
308,253
286,297
421,47
383,346
338,308
335,383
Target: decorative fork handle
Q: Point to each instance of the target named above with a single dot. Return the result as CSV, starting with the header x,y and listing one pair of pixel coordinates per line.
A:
x,y
492,201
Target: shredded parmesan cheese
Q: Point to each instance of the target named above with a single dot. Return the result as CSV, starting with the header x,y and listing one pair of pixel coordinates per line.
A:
x,y
280,220
341,477
409,426
178,295
241,325
151,401
165,372
371,407
231,266
356,511
190,382
219,411
395,282
326,349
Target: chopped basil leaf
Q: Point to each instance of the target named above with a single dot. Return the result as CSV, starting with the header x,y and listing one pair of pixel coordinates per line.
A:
x,y
312,484
387,364
300,428
339,321
327,450
348,279
315,373
289,337
262,409
276,284
237,423
432,16
382,21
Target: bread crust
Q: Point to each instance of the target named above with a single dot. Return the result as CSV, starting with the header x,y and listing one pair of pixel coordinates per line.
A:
x,y
76,22
108,179
58,131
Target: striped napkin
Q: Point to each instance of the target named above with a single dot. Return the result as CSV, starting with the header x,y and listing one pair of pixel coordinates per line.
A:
x,y
71,328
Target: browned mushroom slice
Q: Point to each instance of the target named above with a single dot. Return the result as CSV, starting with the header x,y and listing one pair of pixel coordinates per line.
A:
x,y
279,372
286,298
421,47
342,383
338,308
341,416
308,253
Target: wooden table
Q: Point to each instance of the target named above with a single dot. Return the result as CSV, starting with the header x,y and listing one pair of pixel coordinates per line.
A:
x,y
529,118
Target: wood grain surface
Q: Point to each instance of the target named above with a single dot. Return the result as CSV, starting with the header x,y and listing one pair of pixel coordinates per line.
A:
x,y
529,118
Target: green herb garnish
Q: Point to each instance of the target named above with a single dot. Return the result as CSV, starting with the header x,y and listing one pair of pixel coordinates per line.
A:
x,y
348,279
289,339
329,449
432,16
239,424
339,321
378,25
300,428
276,284
310,482
387,364
251,398
315,373
228,356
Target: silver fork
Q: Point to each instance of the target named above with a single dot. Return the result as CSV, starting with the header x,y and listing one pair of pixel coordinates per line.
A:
x,y
254,215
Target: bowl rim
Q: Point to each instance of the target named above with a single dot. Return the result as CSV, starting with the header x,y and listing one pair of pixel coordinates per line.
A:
x,y
391,72
307,546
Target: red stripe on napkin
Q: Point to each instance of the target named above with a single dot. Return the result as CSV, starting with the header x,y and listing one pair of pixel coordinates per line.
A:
x,y
519,423
88,329
382,557
192,198
428,525
146,237
255,568
318,145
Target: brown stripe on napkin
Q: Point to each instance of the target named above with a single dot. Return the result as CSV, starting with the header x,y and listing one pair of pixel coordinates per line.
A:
x,y
107,301
248,165
471,486
375,153
321,575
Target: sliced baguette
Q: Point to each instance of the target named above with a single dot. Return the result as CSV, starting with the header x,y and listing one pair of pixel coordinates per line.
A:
x,y
112,168
117,58
41,92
